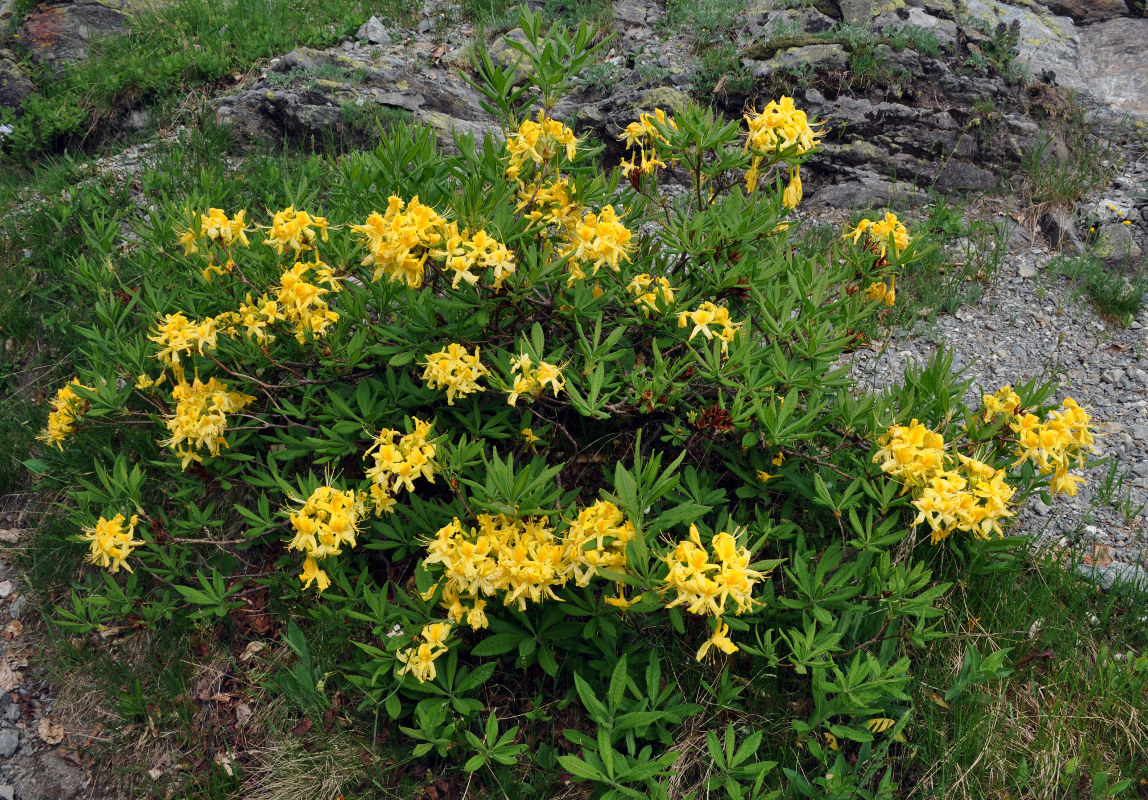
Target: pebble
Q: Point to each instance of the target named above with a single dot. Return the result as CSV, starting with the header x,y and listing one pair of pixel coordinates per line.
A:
x,y
9,742
18,606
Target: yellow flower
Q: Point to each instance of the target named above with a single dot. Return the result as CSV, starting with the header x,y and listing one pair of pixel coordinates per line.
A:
x,y
720,639
533,381
596,240
1005,401
880,232
327,521
912,454
398,464
779,127
295,230
66,411
312,574
176,335
708,314
299,302
455,370
539,142
200,417
647,289
399,242
792,194
419,661
111,542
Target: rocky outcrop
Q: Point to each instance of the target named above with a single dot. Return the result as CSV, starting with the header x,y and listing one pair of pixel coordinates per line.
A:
x,y
59,33
14,82
310,93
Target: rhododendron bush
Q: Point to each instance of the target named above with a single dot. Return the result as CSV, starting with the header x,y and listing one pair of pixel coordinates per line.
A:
x,y
589,423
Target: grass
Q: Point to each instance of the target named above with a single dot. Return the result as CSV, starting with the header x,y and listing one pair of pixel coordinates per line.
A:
x,y
1072,708
1063,180
180,51
1114,294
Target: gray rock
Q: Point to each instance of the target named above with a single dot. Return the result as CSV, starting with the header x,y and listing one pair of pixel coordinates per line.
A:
x,y
138,120
15,84
504,55
58,33
7,792
859,11
18,606
1059,229
964,175
630,18
9,742
1117,575
1086,12
49,777
1114,63
373,31
817,56
1116,246
868,191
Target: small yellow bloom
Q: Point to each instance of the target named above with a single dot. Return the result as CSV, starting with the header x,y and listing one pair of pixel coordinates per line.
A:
x,y
111,542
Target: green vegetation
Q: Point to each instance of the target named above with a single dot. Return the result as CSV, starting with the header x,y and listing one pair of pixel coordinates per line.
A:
x,y
1063,179
874,664
1115,294
181,50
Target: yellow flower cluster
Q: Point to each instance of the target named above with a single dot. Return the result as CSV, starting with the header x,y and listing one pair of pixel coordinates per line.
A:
x,y
708,314
301,302
177,334
911,453
255,317
878,233
460,254
551,203
1055,444
880,292
66,411
216,227
973,499
596,240
596,540
296,230
522,559
111,542
791,197
455,370
538,142
399,463
532,381
705,587
1004,401
200,417
326,522
399,242
646,288
419,659
645,136
780,127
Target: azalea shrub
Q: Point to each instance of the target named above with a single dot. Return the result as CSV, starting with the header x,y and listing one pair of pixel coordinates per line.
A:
x,y
549,442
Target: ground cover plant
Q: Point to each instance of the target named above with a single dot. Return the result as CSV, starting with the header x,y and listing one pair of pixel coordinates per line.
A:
x,y
168,57
548,479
